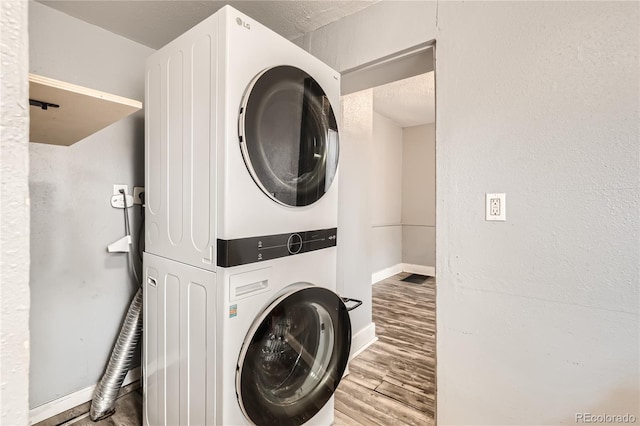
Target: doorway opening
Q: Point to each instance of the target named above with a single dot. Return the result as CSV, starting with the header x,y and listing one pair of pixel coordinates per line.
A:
x,y
392,127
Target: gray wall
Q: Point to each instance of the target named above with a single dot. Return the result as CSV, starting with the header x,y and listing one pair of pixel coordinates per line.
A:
x,y
419,195
549,116
386,194
538,317
14,220
79,292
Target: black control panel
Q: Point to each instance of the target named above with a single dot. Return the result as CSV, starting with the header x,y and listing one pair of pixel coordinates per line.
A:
x,y
256,249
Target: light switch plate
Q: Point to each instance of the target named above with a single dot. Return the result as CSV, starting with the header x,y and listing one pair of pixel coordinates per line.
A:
x,y
496,207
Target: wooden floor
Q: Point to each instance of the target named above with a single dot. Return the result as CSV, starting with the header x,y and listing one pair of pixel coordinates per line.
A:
x,y
128,411
391,383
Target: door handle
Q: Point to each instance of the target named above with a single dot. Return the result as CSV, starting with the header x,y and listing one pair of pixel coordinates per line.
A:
x,y
347,300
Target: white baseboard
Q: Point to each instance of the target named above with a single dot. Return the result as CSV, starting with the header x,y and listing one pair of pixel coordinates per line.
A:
x,y
402,267
419,269
67,402
386,273
362,340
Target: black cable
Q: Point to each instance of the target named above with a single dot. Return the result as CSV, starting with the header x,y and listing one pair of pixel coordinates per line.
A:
x,y
127,231
140,240
141,230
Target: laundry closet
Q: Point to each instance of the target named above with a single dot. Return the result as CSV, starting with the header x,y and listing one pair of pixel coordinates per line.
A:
x,y
79,291
238,226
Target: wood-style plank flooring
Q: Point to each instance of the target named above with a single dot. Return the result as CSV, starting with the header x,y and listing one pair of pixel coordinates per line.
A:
x,y
391,383
128,413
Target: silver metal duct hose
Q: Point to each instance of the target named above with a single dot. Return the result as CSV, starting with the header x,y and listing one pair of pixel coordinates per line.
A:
x,y
104,398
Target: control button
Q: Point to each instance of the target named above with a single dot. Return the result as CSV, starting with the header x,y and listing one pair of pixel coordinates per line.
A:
x,y
294,243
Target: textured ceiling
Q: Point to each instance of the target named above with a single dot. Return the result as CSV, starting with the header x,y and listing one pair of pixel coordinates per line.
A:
x,y
409,102
155,23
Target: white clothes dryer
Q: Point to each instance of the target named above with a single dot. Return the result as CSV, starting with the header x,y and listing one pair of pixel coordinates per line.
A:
x,y
263,345
241,141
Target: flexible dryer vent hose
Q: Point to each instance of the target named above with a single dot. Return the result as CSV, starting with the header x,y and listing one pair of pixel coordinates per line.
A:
x,y
104,398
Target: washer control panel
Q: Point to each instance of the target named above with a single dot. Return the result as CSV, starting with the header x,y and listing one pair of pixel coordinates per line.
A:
x,y
256,249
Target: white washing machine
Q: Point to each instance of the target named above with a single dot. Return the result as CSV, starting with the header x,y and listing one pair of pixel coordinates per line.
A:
x,y
241,141
264,346
241,321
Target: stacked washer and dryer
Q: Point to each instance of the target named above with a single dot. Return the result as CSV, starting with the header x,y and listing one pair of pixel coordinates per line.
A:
x,y
242,324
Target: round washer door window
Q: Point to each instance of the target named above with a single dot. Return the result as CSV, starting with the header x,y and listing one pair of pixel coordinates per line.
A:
x,y
289,136
293,357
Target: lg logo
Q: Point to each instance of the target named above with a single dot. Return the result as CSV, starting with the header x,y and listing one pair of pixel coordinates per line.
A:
x,y
243,24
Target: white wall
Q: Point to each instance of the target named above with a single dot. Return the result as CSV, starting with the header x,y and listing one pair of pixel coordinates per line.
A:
x,y
538,317
419,195
386,194
79,291
354,214
14,218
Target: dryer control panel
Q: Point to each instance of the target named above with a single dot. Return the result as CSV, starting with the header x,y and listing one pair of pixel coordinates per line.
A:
x,y
256,249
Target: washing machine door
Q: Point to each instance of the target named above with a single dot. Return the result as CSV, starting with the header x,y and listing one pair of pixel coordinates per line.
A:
x,y
289,136
293,357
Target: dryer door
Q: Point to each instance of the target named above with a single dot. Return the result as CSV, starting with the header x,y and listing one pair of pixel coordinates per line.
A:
x,y
293,357
289,136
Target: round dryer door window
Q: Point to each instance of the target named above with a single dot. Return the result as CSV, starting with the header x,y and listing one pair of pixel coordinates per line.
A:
x,y
293,357
289,136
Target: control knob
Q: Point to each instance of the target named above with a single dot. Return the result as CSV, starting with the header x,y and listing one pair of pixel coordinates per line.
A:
x,y
294,243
